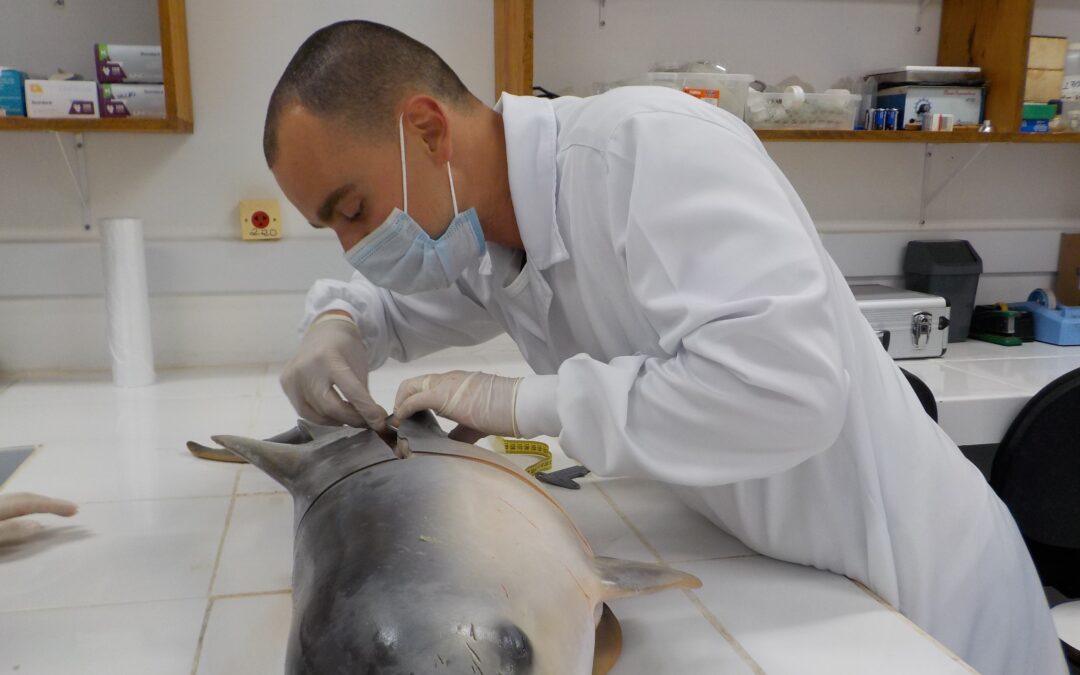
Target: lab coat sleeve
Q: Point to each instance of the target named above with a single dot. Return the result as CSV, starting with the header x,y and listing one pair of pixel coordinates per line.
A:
x,y
402,327
723,261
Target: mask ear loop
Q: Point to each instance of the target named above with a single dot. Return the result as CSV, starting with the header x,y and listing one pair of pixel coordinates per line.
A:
x,y
404,182
453,195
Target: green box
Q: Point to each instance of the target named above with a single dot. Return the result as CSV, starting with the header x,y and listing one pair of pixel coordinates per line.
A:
x,y
1039,111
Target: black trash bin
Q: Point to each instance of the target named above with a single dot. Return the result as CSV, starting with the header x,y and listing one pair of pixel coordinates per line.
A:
x,y
949,268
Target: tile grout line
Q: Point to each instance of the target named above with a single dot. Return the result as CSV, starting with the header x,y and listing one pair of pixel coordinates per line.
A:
x,y
181,498
224,533
262,380
993,378
121,603
918,629
252,594
214,572
713,620
202,636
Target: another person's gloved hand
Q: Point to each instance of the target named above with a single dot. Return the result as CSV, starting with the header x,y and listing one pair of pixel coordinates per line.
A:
x,y
476,400
332,354
22,504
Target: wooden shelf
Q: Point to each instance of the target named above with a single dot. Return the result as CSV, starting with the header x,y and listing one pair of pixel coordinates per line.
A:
x,y
179,114
78,126
912,136
991,35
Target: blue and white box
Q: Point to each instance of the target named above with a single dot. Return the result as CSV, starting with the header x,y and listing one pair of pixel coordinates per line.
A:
x,y
12,97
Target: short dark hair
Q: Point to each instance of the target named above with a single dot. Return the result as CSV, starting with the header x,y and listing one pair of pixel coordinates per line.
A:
x,y
356,72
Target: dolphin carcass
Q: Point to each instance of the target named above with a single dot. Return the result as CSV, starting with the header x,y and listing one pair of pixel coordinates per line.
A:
x,y
450,561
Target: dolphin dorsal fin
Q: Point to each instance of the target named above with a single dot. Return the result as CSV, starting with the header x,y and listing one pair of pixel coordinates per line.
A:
x,y
319,431
622,578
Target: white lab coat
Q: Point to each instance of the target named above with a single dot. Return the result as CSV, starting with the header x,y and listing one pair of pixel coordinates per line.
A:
x,y
702,336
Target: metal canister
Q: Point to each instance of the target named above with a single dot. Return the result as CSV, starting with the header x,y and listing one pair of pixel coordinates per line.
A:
x,y
879,119
892,115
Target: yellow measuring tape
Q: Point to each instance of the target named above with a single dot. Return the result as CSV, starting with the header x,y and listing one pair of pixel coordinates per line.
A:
x,y
516,446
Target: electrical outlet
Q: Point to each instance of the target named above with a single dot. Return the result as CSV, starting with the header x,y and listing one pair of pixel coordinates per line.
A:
x,y
260,219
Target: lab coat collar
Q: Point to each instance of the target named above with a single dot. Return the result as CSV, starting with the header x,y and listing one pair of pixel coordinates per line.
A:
x,y
531,134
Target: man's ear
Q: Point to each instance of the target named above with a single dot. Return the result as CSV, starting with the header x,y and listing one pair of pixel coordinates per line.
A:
x,y
427,118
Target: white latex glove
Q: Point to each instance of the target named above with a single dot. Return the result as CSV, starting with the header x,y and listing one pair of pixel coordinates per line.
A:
x,y
476,400
332,354
24,503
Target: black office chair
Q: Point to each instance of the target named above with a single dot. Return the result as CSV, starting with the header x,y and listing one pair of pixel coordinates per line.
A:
x,y
926,397
1036,472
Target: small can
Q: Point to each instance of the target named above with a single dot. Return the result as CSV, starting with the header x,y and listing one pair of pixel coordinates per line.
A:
x,y
879,119
891,117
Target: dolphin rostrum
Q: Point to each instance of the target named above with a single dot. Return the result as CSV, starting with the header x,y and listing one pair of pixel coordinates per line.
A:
x,y
450,561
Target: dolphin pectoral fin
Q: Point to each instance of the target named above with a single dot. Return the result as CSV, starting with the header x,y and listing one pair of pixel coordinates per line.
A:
x,y
214,454
608,645
283,462
292,437
622,578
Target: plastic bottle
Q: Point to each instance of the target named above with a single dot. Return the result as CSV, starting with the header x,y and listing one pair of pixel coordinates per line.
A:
x,y
1070,89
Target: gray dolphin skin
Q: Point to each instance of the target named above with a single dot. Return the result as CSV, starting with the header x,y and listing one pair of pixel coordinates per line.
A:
x,y
450,561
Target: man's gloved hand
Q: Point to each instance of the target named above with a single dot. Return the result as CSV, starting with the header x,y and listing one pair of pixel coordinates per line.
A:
x,y
22,504
332,354
476,400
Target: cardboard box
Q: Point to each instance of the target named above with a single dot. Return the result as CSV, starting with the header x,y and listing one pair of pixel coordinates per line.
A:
x,y
61,98
134,64
965,104
1068,277
12,96
1047,53
1043,85
132,100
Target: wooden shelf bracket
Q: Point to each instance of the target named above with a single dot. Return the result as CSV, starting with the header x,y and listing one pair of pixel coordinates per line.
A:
x,y
926,195
78,174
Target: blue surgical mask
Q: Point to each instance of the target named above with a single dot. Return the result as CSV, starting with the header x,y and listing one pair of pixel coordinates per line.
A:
x,y
399,256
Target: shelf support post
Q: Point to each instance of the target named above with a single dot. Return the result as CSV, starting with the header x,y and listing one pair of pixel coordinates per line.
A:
x,y
927,196
78,173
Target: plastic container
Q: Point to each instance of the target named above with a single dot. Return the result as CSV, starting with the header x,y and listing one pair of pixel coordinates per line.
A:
x,y
724,90
779,110
949,268
1070,89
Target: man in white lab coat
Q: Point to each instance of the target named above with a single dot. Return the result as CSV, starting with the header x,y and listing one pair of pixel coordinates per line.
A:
x,y
668,287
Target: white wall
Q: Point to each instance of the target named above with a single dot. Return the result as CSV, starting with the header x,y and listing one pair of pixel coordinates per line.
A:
x,y
187,187
864,198
40,37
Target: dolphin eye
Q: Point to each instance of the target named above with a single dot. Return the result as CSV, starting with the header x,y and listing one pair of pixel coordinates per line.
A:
x,y
515,648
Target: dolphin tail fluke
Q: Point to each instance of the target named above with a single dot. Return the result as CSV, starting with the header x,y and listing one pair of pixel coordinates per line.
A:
x,y
623,578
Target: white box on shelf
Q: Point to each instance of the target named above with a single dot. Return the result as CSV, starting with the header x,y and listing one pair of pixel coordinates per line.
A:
x,y
61,99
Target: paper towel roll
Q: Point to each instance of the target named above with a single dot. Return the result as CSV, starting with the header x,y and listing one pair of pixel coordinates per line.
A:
x,y
127,301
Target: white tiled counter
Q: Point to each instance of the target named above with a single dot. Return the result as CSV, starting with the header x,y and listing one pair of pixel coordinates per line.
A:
x,y
980,387
177,565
